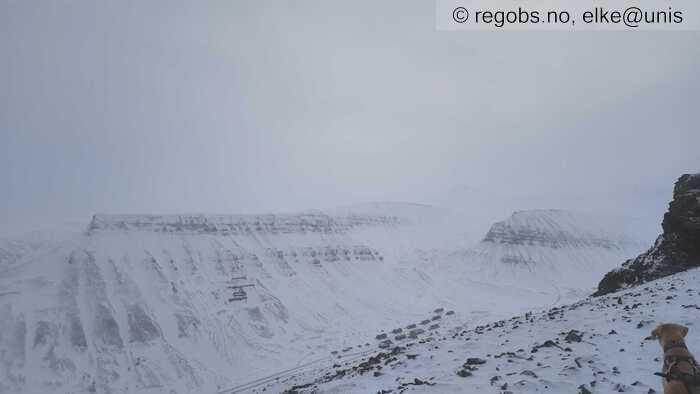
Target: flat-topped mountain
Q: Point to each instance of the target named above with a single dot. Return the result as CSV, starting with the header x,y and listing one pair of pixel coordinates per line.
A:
x,y
183,303
561,229
553,249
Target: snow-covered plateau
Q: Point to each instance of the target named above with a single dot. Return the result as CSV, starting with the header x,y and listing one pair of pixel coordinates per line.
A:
x,y
208,303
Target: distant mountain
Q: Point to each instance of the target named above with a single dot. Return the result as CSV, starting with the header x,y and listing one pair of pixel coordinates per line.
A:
x,y
676,249
552,248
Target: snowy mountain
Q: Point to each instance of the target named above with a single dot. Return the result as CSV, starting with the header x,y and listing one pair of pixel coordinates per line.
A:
x,y
561,250
183,303
161,303
595,345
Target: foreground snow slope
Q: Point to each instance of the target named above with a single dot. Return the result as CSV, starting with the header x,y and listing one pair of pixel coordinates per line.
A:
x,y
596,345
176,304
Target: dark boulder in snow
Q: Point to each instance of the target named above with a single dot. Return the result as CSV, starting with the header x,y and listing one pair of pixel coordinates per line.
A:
x,y
676,250
475,361
574,336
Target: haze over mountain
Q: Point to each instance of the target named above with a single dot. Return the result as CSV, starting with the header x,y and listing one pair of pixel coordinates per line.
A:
x,y
171,107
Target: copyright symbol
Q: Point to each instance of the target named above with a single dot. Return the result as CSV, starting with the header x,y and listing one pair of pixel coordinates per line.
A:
x,y
632,16
460,15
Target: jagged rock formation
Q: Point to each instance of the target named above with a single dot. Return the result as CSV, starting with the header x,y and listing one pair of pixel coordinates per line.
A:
x,y
676,250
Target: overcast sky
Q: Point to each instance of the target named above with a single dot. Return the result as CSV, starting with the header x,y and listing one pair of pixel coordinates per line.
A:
x,y
258,106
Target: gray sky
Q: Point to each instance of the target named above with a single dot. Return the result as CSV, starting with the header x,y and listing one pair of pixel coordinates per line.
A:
x,y
258,106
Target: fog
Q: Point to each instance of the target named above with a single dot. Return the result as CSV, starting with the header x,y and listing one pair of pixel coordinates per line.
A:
x,y
257,106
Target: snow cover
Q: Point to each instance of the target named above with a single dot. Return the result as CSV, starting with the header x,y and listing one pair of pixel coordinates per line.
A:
x,y
12,250
562,251
596,345
183,303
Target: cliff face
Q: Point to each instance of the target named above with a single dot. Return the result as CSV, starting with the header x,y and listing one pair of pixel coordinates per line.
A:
x,y
676,250
312,222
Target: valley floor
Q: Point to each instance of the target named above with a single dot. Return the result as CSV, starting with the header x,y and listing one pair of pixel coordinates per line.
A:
x,y
596,345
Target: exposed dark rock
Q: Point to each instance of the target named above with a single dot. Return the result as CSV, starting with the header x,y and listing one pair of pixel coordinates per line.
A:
x,y
574,336
475,361
463,373
547,343
385,344
419,382
295,389
676,250
582,389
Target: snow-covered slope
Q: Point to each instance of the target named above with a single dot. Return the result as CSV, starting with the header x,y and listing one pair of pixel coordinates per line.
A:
x,y
560,250
596,345
176,304
12,250
198,302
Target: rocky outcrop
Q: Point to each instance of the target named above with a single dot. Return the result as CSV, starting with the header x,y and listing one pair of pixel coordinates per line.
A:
x,y
676,250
